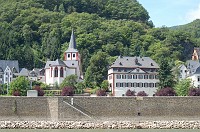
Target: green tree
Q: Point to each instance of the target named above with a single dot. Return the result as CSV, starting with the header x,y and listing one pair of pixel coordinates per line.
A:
x,y
98,68
20,84
70,80
165,74
182,87
105,84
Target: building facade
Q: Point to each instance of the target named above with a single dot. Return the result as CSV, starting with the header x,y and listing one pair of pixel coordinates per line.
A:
x,y
8,69
134,73
56,71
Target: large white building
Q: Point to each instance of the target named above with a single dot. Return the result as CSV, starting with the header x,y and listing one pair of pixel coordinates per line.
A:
x,y
56,71
134,73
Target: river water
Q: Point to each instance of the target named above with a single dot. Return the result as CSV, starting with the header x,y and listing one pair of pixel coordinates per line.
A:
x,y
99,130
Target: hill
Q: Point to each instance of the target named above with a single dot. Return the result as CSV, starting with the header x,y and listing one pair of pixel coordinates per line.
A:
x,y
33,31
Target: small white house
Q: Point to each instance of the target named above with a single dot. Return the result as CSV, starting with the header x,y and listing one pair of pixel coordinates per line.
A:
x,y
7,70
196,78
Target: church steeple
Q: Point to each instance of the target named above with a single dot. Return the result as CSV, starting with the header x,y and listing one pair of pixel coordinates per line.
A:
x,y
71,53
72,43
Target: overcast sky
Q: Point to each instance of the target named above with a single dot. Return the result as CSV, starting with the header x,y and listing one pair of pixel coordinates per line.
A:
x,y
172,12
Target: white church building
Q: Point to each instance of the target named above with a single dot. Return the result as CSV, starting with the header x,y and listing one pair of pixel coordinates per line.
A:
x,y
56,71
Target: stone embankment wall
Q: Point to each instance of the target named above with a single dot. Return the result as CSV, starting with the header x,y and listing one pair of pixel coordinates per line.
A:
x,y
58,108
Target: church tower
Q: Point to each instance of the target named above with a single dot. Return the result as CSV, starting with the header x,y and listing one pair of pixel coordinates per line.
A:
x,y
71,53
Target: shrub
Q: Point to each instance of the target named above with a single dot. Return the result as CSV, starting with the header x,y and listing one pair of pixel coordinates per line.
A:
x,y
67,91
101,92
39,90
142,93
194,92
16,93
130,93
167,91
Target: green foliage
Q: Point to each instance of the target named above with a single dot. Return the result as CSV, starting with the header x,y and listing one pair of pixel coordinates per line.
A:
x,y
33,31
182,87
80,86
105,85
165,74
97,71
70,80
20,84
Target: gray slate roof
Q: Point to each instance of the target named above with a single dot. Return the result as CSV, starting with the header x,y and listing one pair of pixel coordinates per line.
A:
x,y
72,44
9,63
197,70
68,63
24,72
131,62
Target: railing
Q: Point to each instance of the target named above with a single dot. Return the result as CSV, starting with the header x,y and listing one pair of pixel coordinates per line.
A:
x,y
78,108
52,92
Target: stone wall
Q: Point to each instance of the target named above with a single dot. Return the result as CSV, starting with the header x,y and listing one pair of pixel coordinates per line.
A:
x,y
58,108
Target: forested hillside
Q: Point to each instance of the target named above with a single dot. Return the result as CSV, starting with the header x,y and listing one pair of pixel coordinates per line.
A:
x,y
193,28
33,31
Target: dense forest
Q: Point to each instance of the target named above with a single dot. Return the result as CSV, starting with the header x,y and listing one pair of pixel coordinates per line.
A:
x,y
33,31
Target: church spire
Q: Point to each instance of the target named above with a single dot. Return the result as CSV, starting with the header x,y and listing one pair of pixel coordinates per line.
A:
x,y
72,43
71,53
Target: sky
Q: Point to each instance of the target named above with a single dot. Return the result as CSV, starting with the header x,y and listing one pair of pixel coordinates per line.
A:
x,y
172,12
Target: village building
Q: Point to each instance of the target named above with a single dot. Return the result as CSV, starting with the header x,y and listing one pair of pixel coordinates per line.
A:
x,y
7,70
191,69
134,73
56,71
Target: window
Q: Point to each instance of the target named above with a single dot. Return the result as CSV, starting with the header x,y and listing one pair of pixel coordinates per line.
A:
x,y
121,85
137,84
140,84
56,72
118,76
134,76
123,76
68,55
151,76
126,84
198,78
156,84
129,76
6,79
145,85
140,76
145,76
117,84
61,72
132,84
151,85
74,55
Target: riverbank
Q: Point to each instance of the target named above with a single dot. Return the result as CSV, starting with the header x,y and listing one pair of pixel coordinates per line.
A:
x,y
174,124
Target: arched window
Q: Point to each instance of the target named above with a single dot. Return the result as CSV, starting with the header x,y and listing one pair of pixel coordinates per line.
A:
x,y
56,72
61,72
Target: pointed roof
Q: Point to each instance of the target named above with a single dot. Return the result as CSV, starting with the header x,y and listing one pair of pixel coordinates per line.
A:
x,y
72,43
10,64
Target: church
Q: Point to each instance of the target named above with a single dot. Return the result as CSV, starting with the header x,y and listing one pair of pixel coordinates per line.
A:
x,y
56,71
